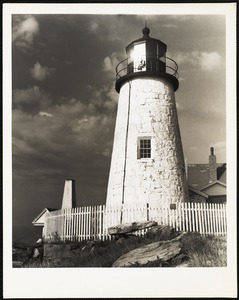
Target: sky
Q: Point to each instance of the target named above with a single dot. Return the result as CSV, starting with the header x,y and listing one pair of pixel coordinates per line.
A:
x,y
64,103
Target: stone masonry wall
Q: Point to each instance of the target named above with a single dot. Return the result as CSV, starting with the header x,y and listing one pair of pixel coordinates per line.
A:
x,y
147,109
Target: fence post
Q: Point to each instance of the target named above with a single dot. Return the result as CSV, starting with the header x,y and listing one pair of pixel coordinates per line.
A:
x,y
64,225
80,224
221,219
147,211
225,217
179,209
207,218
99,227
214,218
203,219
217,219
200,218
105,217
192,216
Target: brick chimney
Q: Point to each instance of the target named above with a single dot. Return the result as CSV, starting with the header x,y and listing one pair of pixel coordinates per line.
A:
x,y
69,195
212,166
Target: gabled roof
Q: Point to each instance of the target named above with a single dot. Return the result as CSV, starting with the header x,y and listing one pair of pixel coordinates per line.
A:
x,y
197,192
212,183
221,170
42,213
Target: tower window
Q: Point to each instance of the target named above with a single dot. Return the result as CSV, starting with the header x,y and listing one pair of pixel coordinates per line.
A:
x,y
144,150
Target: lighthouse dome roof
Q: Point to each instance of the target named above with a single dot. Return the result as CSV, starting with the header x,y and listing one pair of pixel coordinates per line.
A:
x,y
147,38
146,31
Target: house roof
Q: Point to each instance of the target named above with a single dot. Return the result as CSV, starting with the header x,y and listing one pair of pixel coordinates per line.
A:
x,y
198,174
213,183
220,170
197,191
42,213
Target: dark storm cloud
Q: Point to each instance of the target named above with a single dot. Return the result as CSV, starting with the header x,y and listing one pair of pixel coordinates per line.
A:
x,y
84,123
67,131
70,48
70,140
30,100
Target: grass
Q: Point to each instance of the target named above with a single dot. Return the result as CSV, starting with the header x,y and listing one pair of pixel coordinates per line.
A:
x,y
205,251
200,251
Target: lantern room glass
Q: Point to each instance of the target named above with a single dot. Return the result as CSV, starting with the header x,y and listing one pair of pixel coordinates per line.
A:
x,y
146,56
139,57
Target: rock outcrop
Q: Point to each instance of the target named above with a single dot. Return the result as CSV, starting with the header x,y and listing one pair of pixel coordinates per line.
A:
x,y
165,232
162,251
22,255
161,246
128,228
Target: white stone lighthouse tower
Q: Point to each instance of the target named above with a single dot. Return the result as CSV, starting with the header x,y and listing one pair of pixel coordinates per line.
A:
x,y
147,161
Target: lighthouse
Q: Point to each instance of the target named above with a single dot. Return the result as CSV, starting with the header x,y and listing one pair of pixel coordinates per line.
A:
x,y
147,162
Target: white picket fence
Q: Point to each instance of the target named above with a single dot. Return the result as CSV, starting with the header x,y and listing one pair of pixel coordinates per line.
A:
x,y
92,222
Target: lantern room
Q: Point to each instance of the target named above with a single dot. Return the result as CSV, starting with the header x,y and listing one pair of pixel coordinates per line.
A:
x,y
146,56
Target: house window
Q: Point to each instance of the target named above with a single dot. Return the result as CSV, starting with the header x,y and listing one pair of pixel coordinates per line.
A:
x,y
144,150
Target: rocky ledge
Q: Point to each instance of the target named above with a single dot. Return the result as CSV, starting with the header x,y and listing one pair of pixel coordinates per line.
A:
x,y
23,254
164,251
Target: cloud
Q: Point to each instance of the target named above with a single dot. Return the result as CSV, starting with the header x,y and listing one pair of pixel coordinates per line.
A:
x,y
25,28
170,26
104,98
30,100
183,18
60,141
206,61
110,63
100,28
219,144
45,114
40,73
210,61
93,27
